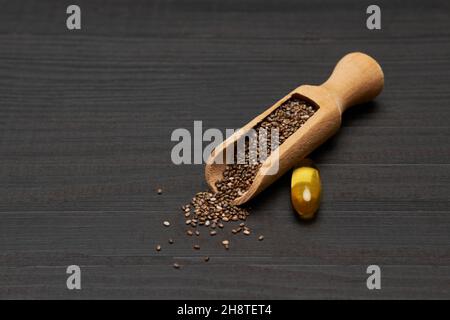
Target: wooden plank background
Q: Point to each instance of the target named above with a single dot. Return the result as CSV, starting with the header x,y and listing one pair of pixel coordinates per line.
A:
x,y
85,124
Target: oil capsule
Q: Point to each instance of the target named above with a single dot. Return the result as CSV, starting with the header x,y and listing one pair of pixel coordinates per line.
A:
x,y
306,191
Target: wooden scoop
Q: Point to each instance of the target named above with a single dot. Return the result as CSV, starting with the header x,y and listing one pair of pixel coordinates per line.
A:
x,y
357,78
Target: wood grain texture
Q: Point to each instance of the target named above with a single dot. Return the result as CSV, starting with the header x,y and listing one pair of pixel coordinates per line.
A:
x,y
85,124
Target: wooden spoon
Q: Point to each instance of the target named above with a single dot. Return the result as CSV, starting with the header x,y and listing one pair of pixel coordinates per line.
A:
x,y
357,78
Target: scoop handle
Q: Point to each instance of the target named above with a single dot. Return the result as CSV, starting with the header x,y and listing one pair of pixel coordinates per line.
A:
x,y
357,78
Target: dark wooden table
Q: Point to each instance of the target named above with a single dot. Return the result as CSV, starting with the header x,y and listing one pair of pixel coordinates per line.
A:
x,y
85,124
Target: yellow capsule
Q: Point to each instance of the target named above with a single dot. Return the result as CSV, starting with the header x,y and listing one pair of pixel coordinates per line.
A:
x,y
306,191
